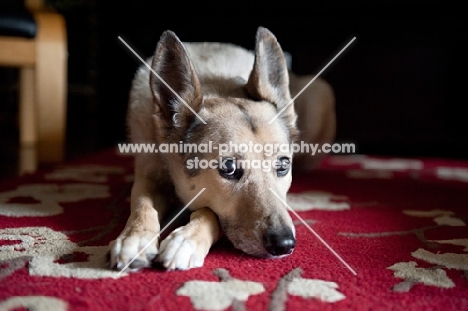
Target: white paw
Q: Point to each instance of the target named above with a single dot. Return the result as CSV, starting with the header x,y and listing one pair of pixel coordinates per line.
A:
x,y
133,250
181,251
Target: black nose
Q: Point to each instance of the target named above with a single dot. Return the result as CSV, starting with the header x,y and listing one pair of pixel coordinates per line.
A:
x,y
279,243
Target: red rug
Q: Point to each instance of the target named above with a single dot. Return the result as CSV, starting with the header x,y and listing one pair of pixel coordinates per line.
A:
x,y
399,224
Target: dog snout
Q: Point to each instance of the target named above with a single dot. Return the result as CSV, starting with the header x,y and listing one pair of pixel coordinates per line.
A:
x,y
279,243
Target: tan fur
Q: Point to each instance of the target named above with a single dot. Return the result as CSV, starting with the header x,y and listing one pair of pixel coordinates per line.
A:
x,y
315,108
236,92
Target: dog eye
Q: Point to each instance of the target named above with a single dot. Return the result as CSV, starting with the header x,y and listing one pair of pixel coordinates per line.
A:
x,y
283,167
229,170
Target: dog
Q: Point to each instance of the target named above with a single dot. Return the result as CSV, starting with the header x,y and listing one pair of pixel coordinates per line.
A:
x,y
216,92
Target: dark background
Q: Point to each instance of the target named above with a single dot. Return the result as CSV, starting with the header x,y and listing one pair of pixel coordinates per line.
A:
x,y
400,87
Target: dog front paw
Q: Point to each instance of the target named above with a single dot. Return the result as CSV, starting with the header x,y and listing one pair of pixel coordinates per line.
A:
x,y
182,250
133,249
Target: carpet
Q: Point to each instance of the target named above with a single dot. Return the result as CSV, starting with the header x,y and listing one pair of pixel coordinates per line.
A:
x,y
375,233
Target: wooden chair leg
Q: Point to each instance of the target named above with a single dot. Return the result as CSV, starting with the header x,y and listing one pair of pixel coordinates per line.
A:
x,y
51,86
27,121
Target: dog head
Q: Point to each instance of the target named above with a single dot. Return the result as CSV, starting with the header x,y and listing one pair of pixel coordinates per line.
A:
x,y
246,195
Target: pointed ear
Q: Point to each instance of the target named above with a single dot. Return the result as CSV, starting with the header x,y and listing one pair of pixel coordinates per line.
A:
x,y
176,86
269,79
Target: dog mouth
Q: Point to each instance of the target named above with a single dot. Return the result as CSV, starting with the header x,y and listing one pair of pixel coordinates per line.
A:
x,y
275,256
255,243
262,253
266,255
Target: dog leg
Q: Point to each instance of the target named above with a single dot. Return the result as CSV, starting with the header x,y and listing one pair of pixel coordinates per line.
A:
x,y
187,246
142,229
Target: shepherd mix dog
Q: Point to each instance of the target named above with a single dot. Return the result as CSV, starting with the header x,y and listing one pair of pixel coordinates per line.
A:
x,y
236,92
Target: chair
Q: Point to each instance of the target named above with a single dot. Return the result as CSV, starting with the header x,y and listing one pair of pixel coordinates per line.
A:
x,y
33,38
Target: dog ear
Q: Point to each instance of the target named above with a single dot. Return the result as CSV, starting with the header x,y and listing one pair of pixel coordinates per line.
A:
x,y
269,79
175,86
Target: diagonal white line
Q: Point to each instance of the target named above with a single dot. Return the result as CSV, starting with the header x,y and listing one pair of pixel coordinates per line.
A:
x,y
167,85
161,231
315,233
313,79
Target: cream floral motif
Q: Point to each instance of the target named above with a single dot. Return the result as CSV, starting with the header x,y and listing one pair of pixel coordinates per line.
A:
x,y
448,220
45,246
33,303
392,164
461,242
231,292
48,197
452,173
435,277
206,295
447,260
310,288
441,217
369,163
317,200
85,173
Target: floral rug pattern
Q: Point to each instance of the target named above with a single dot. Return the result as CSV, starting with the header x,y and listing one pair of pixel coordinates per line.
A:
x,y
401,224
